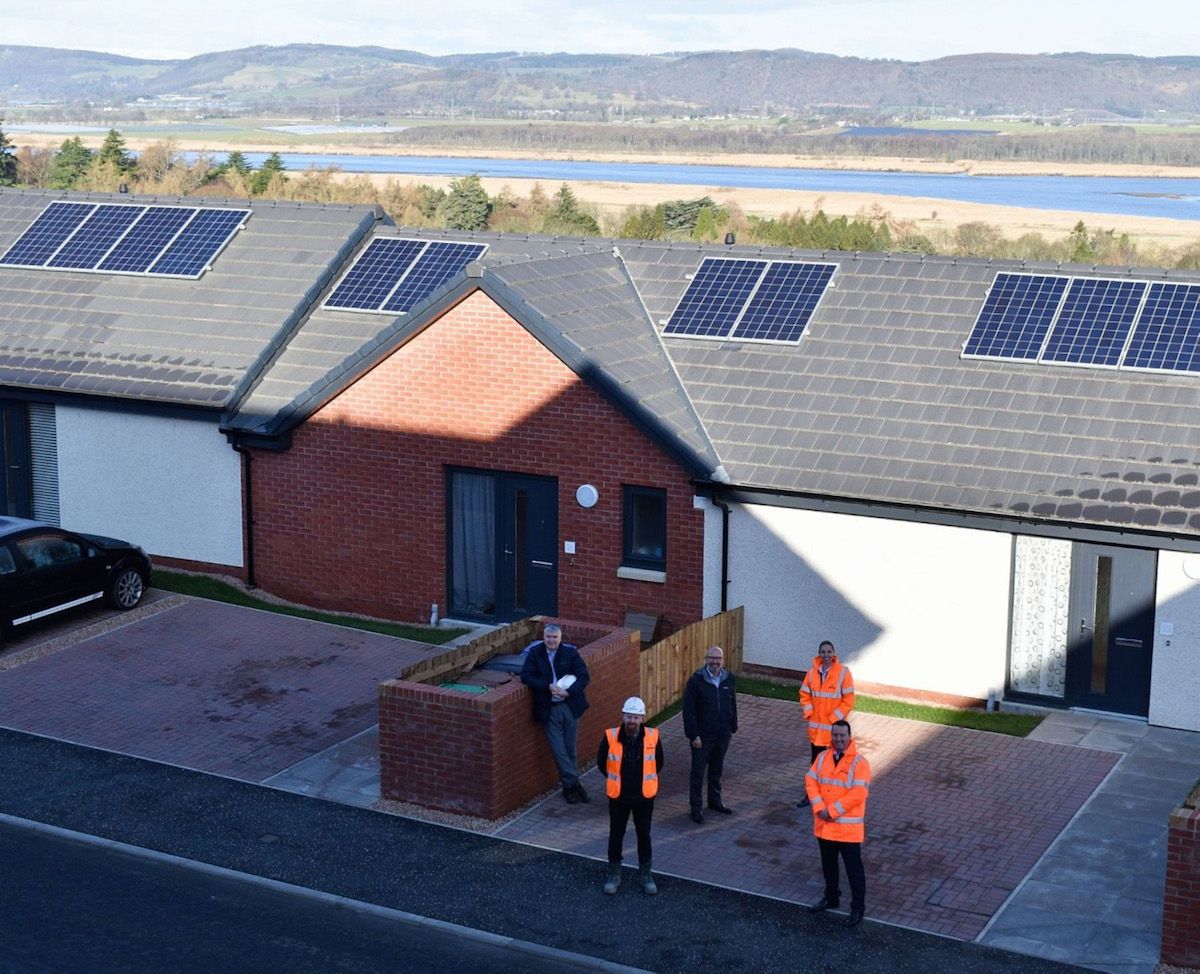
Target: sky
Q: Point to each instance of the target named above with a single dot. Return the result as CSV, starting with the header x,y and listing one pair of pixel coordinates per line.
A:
x,y
909,30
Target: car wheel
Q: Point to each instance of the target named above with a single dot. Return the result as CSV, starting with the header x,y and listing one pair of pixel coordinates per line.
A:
x,y
126,588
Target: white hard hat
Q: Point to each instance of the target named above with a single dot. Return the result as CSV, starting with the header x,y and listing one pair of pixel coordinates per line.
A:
x,y
634,706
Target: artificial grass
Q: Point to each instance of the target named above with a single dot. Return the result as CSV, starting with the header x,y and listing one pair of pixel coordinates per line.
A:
x,y
1016,725
203,587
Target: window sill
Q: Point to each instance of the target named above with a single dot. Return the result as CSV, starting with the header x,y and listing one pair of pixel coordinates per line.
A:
x,y
642,575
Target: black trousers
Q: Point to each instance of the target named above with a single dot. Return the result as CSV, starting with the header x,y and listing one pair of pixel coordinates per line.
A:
x,y
711,756
851,853
618,819
816,749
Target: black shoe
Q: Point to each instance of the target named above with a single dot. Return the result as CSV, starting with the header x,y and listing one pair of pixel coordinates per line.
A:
x,y
803,802
570,797
580,793
854,919
718,807
823,904
697,816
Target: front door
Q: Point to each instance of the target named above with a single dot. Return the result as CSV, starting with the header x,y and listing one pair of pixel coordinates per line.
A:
x,y
1110,636
502,534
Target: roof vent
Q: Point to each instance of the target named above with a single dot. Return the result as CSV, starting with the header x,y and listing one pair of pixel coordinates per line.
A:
x,y
730,240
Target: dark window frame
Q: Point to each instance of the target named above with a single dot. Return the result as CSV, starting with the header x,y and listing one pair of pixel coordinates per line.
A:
x,y
632,531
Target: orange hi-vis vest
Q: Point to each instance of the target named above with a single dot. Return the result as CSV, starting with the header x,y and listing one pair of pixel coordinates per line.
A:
x,y
649,765
841,790
824,702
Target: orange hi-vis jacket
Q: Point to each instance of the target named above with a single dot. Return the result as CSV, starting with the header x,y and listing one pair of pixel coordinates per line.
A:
x,y
841,790
649,763
826,701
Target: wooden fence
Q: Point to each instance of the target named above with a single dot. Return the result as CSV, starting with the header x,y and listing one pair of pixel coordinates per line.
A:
x,y
667,664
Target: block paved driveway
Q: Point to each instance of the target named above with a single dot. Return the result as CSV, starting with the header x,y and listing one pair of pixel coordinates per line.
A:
x,y
205,685
955,821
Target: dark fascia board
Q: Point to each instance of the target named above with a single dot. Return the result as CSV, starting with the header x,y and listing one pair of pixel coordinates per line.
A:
x,y
1004,523
115,404
270,442
390,339
305,306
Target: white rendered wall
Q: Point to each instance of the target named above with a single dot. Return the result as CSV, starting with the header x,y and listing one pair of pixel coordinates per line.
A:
x,y
1175,677
172,486
909,605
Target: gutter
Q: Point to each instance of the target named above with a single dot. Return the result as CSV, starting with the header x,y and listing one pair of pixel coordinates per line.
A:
x,y
249,512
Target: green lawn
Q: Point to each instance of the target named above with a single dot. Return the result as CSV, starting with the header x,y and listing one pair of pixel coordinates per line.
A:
x,y
203,587
1018,725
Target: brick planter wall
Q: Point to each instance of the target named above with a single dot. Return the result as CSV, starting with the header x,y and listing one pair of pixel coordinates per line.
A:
x,y
482,754
1181,902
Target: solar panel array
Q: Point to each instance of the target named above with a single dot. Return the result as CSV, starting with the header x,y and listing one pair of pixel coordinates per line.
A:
x,y
125,238
750,300
395,274
1129,324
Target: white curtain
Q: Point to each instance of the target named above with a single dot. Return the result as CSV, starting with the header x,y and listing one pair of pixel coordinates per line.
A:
x,y
473,543
1041,598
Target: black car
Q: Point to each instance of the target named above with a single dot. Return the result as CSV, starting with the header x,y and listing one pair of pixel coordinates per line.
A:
x,y
44,570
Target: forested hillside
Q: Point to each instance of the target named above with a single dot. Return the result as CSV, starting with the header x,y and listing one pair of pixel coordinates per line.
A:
x,y
316,79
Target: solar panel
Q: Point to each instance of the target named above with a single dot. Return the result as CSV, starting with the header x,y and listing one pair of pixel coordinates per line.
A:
x,y
96,236
199,242
377,270
1015,317
715,297
47,233
140,247
1167,334
1094,322
784,302
440,261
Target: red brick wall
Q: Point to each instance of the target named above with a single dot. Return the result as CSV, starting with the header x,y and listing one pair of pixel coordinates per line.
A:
x,y
1181,902
482,754
353,516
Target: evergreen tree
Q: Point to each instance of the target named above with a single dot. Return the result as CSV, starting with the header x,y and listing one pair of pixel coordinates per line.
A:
x,y
237,162
112,153
565,216
8,161
467,206
70,163
273,166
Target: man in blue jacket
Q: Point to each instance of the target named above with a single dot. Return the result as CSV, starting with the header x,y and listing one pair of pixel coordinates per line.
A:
x,y
557,676
709,721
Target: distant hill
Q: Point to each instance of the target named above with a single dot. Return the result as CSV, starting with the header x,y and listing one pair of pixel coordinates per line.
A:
x,y
375,80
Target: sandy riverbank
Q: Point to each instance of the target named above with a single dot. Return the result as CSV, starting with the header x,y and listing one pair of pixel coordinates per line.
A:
x,y
928,215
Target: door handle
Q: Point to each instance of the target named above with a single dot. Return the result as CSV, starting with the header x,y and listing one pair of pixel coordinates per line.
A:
x,y
1083,626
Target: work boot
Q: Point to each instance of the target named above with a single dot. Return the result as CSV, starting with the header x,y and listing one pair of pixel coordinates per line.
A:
x,y
613,883
569,796
581,794
646,879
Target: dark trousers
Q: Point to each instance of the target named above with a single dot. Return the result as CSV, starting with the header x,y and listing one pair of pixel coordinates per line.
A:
x,y
816,749
618,819
851,853
711,756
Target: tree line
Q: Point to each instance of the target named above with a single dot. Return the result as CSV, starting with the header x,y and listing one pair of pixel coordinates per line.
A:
x,y
160,169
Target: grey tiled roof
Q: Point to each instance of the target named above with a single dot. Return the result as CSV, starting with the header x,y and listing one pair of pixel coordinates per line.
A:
x,y
874,404
159,339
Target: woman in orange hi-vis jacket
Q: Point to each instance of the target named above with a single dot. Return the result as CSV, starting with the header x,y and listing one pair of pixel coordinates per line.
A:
x,y
838,784
826,695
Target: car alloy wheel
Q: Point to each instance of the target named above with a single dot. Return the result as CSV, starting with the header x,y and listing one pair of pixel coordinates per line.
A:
x,y
127,588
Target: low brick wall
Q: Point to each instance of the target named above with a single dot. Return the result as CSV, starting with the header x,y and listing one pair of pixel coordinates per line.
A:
x,y
482,754
1181,901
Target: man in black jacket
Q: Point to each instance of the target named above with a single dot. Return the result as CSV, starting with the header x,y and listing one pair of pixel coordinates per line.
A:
x,y
557,676
709,721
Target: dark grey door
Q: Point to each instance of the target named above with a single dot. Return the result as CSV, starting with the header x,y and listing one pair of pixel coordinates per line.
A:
x,y
529,525
502,536
1111,635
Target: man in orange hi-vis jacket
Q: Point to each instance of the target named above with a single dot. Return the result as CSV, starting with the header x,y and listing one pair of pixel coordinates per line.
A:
x,y
826,695
837,786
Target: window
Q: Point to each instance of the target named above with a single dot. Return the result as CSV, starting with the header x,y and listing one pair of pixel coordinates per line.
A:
x,y
645,528
44,550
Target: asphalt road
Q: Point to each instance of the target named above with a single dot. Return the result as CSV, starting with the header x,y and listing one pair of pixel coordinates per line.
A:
x,y
83,906
511,890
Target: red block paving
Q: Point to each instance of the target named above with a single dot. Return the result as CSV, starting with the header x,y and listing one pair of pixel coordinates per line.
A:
x,y
214,687
955,821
